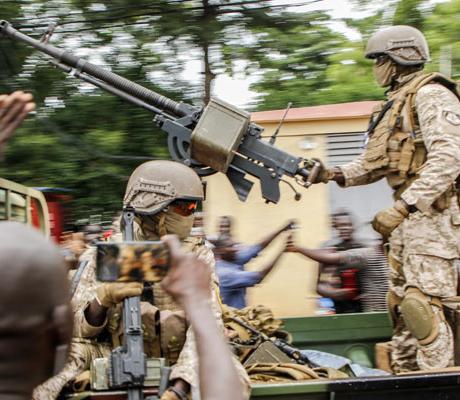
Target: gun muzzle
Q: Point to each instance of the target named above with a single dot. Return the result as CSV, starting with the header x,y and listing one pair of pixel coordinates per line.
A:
x,y
123,84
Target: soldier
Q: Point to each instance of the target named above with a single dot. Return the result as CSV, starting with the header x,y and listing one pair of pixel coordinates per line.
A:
x,y
35,326
164,195
414,142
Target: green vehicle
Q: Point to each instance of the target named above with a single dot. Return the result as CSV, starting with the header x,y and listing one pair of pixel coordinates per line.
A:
x,y
354,336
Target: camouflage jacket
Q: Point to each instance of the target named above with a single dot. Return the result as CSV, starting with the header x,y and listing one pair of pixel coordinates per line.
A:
x,y
88,342
438,113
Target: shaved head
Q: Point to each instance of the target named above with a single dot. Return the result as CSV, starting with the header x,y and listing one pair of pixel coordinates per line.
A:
x,y
35,315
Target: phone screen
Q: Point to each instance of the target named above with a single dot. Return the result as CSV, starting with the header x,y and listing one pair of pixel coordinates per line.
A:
x,y
132,261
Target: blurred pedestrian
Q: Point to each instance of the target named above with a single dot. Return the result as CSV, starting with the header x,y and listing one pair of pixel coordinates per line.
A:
x,y
225,227
370,262
341,284
230,262
198,226
93,233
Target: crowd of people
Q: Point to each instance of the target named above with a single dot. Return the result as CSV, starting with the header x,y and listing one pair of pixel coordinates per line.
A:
x,y
50,334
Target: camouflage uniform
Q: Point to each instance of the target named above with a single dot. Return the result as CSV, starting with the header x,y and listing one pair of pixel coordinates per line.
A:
x,y
424,248
86,347
82,351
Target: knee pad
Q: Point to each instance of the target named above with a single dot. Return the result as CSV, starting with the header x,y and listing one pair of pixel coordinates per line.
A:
x,y
419,317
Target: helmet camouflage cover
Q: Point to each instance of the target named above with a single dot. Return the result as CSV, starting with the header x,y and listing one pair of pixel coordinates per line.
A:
x,y
404,44
155,184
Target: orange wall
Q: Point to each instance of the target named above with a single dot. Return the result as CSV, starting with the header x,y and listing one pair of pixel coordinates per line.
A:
x,y
290,289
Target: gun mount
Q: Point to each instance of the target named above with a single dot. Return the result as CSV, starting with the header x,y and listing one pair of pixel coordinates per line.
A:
x,y
218,138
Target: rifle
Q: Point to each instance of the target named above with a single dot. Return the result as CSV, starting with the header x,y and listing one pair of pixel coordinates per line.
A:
x,y
292,352
216,138
127,362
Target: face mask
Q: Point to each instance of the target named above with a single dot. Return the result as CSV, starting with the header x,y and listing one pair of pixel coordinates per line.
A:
x,y
177,224
384,73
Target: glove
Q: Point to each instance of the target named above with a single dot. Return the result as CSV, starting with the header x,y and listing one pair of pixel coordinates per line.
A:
x,y
82,382
386,221
324,175
110,294
170,395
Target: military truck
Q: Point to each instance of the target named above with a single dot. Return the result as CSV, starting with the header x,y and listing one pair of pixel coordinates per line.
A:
x,y
353,336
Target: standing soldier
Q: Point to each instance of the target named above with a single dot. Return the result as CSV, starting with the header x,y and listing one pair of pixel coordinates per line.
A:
x,y
164,195
414,141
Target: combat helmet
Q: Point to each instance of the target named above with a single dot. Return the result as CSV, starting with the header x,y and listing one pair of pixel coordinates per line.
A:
x,y
155,184
404,44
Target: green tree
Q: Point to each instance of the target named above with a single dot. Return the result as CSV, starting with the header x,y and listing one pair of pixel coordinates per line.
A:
x,y
443,35
292,58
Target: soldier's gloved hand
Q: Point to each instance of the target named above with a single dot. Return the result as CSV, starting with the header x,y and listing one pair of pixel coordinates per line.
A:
x,y
110,294
386,221
324,175
178,391
169,395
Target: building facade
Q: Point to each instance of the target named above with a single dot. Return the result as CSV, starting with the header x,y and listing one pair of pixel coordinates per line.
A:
x,y
334,133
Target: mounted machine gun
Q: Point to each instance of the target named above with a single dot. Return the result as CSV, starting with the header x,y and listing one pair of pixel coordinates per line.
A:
x,y
216,138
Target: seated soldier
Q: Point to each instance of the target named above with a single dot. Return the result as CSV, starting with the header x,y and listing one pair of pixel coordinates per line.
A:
x,y
164,195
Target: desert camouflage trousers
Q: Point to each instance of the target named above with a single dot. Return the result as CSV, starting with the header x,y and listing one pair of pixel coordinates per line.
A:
x,y
434,276
81,353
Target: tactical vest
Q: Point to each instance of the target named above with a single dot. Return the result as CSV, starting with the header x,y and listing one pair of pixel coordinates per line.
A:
x,y
395,146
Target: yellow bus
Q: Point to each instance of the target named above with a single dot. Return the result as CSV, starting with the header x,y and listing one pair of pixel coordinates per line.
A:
x,y
23,204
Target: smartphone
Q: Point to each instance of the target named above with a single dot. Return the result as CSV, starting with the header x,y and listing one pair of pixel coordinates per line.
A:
x,y
132,261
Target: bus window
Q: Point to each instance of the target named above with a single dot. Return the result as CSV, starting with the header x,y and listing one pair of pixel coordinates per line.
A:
x,y
18,204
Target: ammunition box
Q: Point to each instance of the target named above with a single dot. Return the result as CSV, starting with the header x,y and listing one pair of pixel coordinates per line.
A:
x,y
100,369
218,134
267,352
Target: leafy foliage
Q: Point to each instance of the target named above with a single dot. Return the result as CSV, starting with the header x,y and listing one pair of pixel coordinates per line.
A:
x,y
90,142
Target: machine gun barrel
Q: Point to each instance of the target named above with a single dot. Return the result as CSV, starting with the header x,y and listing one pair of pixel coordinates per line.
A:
x,y
216,138
81,65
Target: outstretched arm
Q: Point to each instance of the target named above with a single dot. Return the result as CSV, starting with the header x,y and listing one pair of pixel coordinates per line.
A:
x,y
272,236
13,110
269,267
322,256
